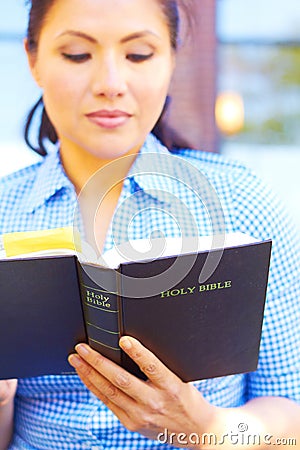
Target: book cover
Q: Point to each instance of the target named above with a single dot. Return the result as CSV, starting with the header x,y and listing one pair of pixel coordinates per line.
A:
x,y
203,330
41,315
198,329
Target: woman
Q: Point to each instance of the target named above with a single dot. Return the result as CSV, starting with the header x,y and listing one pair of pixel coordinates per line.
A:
x,y
104,67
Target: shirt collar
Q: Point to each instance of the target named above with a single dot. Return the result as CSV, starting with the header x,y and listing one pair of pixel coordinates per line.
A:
x,y
50,179
155,170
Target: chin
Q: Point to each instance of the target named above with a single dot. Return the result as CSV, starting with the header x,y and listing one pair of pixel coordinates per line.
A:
x,y
113,148
110,152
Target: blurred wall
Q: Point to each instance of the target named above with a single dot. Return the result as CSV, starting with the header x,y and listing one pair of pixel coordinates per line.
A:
x,y
194,86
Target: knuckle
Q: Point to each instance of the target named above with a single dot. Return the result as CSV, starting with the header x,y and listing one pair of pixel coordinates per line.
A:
x,y
122,380
145,423
175,392
111,392
151,369
142,423
157,407
137,355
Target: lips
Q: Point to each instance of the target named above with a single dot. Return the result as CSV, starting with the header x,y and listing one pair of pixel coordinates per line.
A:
x,y
109,118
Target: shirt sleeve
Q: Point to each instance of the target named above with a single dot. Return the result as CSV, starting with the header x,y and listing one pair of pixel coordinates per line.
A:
x,y
260,213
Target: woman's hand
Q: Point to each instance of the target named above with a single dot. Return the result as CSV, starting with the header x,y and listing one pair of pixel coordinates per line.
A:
x,y
164,402
7,391
7,394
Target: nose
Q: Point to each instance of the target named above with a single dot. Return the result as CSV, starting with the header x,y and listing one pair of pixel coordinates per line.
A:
x,y
109,78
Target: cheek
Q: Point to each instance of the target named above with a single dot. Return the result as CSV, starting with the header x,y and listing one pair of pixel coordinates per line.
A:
x,y
58,81
153,92
58,88
61,95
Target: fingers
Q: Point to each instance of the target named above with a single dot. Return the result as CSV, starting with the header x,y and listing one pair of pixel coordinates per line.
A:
x,y
159,375
116,400
140,405
111,380
7,390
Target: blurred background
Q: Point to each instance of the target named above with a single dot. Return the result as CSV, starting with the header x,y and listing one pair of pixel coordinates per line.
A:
x,y
236,90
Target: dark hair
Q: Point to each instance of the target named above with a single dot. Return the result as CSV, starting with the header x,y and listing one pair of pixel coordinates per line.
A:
x,y
46,131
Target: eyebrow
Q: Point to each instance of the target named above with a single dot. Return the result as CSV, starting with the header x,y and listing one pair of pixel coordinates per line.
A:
x,y
131,37
78,34
139,34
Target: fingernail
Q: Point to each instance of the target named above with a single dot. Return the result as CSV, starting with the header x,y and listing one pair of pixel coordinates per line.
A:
x,y
74,360
125,343
82,350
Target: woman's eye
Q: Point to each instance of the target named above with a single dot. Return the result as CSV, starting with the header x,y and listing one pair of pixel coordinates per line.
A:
x,y
78,57
135,57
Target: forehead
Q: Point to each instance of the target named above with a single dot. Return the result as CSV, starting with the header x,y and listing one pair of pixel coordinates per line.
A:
x,y
105,14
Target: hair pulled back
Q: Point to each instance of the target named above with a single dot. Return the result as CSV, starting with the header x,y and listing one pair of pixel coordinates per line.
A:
x,y
38,10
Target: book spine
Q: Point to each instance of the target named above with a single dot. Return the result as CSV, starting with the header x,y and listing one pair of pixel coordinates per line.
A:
x,y
100,306
125,361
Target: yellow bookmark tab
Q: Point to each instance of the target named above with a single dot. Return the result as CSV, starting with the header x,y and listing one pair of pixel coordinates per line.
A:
x,y
20,243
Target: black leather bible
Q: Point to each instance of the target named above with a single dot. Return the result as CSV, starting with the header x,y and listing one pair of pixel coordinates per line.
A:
x,y
201,325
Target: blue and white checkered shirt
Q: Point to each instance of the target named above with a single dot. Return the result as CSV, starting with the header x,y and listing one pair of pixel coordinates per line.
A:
x,y
188,191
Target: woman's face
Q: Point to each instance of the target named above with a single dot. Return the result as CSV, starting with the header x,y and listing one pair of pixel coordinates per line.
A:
x,y
104,67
